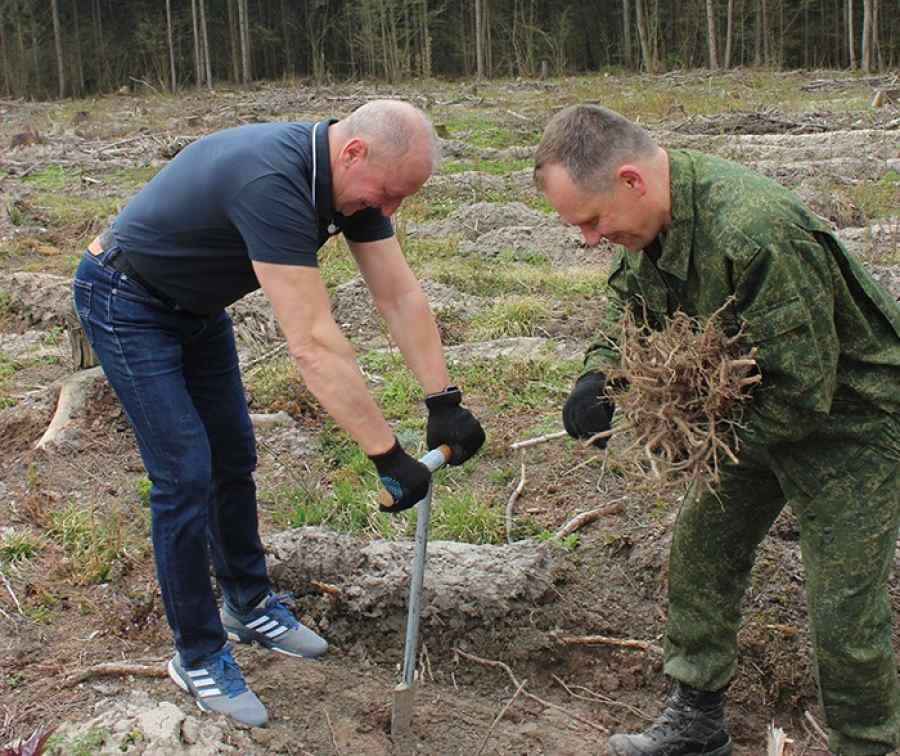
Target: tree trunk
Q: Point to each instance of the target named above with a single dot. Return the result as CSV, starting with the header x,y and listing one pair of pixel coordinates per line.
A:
x,y
644,36
198,62
286,34
711,44
173,79
57,38
851,35
627,55
868,13
479,41
204,39
79,60
83,356
99,53
233,39
729,28
244,21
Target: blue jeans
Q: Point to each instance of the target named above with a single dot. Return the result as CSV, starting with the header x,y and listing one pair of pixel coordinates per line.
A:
x,y
178,379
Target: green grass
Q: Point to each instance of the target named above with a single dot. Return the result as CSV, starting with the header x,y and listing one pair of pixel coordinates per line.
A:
x,y
534,384
478,131
86,744
877,199
53,178
92,543
494,167
18,545
515,316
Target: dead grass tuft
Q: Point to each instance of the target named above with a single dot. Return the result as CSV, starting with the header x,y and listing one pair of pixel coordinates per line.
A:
x,y
680,394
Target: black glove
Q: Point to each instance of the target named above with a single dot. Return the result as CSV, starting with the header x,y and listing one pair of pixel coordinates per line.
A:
x,y
451,424
405,479
588,410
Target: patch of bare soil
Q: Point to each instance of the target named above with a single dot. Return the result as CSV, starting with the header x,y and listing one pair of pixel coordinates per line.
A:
x,y
518,604
354,310
477,219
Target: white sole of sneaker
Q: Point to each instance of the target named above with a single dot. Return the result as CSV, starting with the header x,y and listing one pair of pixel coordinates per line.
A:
x,y
237,639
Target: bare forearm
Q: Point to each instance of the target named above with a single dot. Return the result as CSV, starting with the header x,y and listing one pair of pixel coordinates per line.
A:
x,y
413,328
331,374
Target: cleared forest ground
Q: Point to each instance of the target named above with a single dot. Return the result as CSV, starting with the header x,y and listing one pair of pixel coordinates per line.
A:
x,y
517,297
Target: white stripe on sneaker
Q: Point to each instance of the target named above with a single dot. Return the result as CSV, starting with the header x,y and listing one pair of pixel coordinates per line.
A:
x,y
196,672
204,681
268,626
280,630
208,693
258,621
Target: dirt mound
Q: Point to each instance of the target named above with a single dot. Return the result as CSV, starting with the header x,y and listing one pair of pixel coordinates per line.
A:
x,y
355,312
877,243
471,221
469,589
560,244
37,299
840,169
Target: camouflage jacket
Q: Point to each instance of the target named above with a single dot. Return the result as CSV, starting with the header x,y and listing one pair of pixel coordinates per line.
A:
x,y
827,335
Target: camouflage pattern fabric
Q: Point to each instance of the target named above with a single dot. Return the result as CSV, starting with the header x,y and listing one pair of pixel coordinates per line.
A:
x,y
822,434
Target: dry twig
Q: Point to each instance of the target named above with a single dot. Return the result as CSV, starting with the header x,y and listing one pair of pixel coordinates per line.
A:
x,y
816,727
605,640
511,503
580,520
538,440
115,668
541,701
503,711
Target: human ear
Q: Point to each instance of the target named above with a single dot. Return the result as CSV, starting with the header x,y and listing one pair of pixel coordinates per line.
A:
x,y
632,177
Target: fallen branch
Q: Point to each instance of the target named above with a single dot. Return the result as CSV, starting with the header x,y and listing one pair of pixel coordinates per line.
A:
x,y
503,711
72,396
539,440
541,701
509,505
580,520
115,668
11,593
604,640
817,727
324,587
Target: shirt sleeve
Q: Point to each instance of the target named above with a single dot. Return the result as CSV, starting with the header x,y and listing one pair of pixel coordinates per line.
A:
x,y
784,296
277,223
603,352
367,225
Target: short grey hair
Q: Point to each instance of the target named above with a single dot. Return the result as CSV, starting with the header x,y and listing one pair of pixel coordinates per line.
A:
x,y
591,143
392,128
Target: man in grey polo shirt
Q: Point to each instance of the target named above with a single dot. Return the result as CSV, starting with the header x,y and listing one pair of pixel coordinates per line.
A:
x,y
237,210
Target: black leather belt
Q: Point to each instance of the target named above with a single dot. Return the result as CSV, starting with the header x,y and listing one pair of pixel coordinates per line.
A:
x,y
118,260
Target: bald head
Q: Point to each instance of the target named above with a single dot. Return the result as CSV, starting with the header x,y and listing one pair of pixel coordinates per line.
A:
x,y
391,129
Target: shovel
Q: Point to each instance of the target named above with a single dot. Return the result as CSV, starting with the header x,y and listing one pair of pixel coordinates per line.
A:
x,y
404,693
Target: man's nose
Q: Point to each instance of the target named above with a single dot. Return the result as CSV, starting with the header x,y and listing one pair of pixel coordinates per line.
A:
x,y
591,235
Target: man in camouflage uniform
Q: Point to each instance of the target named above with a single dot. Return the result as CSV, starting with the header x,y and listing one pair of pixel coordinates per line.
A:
x,y
822,431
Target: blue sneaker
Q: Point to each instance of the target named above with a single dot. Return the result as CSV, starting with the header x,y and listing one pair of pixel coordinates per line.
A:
x,y
272,625
218,685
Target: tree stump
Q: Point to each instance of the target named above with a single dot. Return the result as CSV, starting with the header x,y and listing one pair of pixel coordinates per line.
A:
x,y
83,355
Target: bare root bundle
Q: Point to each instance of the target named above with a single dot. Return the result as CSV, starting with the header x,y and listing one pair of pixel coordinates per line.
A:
x,y
680,392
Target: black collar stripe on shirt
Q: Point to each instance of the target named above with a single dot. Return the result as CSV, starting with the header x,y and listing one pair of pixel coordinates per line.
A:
x,y
321,189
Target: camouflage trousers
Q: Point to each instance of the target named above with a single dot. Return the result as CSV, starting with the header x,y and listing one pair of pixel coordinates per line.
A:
x,y
844,489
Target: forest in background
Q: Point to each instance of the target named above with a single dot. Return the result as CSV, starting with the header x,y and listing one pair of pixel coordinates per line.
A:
x,y
64,48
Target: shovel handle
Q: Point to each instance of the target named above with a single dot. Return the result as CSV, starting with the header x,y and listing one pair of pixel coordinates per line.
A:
x,y
433,460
